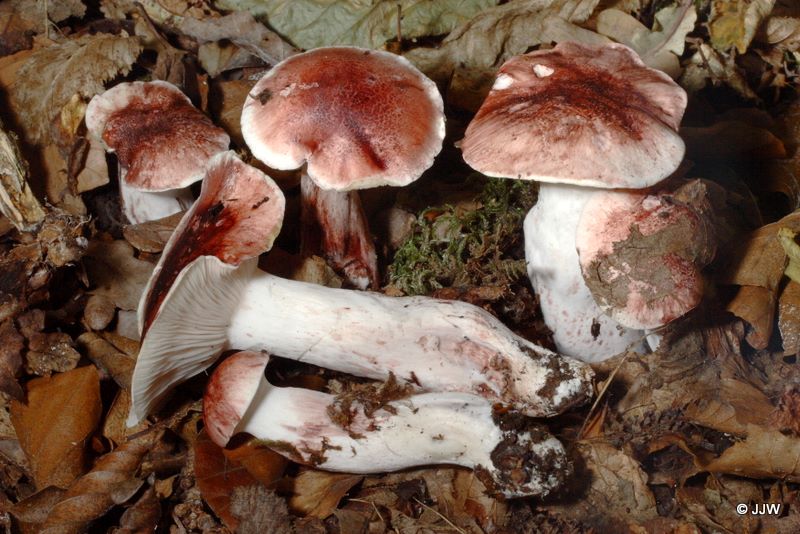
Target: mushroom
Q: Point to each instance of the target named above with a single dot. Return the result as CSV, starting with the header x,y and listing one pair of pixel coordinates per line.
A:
x,y
162,144
516,460
355,119
207,295
579,119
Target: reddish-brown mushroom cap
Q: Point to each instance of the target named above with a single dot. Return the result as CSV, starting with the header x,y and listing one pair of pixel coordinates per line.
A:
x,y
641,256
161,140
237,216
579,114
229,392
359,118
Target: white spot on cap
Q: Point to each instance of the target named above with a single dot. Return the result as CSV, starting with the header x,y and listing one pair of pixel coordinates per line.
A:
x,y
503,81
651,202
542,71
286,91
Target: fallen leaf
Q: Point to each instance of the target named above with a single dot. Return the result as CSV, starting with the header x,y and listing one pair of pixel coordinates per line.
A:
x,y
16,198
733,23
116,274
317,493
108,358
659,48
731,140
21,19
787,237
781,32
762,454
151,236
708,65
51,352
32,512
789,318
98,312
52,75
143,516
94,169
112,481
11,345
314,23
54,427
469,56
241,29
226,104
756,305
263,464
259,509
219,474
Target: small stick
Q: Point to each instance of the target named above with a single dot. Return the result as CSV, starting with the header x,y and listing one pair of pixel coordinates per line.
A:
x,y
399,29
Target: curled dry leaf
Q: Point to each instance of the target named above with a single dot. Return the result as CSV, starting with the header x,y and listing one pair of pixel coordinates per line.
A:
x,y
219,472
708,65
111,481
733,23
52,75
764,453
32,511
51,352
17,202
789,318
98,312
116,274
117,364
659,48
142,516
151,236
317,493
55,425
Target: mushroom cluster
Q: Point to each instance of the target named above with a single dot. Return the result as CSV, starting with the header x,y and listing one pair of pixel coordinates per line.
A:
x,y
596,128
462,367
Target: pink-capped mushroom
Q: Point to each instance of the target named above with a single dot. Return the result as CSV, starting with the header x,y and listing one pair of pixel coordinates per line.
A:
x,y
579,119
515,460
353,119
162,143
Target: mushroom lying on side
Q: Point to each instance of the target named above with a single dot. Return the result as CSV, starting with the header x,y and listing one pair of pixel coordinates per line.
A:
x,y
579,119
356,119
207,295
419,429
162,143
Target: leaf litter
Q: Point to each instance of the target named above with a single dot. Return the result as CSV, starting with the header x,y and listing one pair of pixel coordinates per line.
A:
x,y
679,437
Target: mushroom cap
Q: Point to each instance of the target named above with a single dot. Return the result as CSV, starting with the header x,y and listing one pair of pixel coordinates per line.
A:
x,y
229,392
359,118
579,114
161,140
641,255
238,216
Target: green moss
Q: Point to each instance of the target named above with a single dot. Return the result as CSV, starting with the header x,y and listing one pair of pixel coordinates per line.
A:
x,y
480,247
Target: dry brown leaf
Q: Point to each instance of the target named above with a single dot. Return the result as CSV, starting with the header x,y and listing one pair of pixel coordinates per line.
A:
x,y
708,65
218,476
317,493
151,236
117,364
142,516
93,165
51,352
31,512
111,481
617,496
59,188
756,305
17,202
125,344
263,464
731,140
225,106
98,312
242,29
11,345
116,274
789,317
764,453
52,75
54,427
733,23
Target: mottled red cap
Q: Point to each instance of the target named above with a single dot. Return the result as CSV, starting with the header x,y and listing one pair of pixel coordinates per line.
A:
x,y
641,256
238,216
359,118
161,140
229,392
579,114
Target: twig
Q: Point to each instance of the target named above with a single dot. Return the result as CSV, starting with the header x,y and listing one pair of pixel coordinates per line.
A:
x,y
457,529
399,28
374,507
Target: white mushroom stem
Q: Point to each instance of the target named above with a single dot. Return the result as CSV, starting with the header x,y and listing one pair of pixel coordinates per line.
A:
x,y
435,344
422,429
580,328
141,206
334,225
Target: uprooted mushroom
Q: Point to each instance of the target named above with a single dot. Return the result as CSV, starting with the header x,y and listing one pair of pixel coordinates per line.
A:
x,y
162,143
514,457
207,295
591,123
355,119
